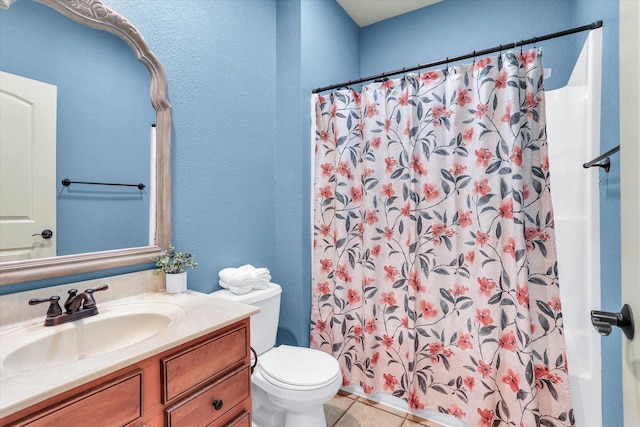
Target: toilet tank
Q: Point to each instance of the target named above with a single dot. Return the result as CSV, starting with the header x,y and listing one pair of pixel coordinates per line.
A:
x,y
264,325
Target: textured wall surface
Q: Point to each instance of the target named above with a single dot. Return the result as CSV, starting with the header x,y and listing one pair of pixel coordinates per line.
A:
x,y
240,75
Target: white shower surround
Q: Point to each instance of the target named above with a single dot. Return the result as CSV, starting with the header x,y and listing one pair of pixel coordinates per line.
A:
x,y
573,132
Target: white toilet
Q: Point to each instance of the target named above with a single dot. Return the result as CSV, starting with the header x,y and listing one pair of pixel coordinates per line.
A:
x,y
290,385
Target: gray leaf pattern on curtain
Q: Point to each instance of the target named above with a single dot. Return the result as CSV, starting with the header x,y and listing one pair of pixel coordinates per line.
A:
x,y
435,275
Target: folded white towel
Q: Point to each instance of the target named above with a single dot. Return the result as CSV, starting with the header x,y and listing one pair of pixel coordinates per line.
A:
x,y
244,279
254,284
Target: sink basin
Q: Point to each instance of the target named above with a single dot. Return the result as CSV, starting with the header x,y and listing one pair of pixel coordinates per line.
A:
x,y
113,328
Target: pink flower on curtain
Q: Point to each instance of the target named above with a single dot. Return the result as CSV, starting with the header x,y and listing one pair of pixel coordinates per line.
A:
x,y
390,383
414,402
371,110
467,135
353,296
323,288
464,218
458,290
484,369
522,295
387,190
481,187
371,217
506,117
516,156
390,162
429,77
428,309
430,191
388,298
482,238
356,194
434,257
414,282
512,380
486,286
470,257
486,417
481,64
481,110
508,341
391,272
325,192
456,411
482,157
501,81
483,316
510,247
464,341
463,97
506,209
527,57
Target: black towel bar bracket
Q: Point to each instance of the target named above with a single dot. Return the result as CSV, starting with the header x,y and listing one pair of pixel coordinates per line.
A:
x,y
602,160
67,182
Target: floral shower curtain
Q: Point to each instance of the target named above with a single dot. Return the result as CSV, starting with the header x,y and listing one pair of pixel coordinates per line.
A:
x,y
434,267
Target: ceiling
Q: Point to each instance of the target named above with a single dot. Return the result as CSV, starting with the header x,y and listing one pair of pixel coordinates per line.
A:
x,y
367,12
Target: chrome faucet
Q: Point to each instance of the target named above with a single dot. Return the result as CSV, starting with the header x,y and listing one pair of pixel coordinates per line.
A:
x,y
77,306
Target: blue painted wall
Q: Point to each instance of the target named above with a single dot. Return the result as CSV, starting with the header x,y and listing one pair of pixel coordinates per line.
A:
x,y
240,76
328,51
103,126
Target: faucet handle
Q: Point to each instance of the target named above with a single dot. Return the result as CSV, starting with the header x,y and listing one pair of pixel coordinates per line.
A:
x,y
101,288
54,307
90,301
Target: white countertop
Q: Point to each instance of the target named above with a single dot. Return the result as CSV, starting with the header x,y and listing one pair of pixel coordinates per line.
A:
x,y
20,389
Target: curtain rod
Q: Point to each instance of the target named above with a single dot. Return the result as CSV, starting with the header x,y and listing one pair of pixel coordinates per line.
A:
x,y
592,26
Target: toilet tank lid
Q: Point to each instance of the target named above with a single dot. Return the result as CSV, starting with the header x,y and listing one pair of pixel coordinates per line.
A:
x,y
250,297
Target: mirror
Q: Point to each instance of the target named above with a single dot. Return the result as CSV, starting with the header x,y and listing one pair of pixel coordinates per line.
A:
x,y
94,14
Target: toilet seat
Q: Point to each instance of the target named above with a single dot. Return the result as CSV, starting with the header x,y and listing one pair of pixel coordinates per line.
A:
x,y
298,367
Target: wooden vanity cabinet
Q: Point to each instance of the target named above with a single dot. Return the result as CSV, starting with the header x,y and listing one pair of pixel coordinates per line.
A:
x,y
205,382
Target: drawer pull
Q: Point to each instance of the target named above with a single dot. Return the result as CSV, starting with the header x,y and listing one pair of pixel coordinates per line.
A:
x,y
217,404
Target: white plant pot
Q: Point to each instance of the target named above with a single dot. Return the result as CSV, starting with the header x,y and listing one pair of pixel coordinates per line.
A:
x,y
176,282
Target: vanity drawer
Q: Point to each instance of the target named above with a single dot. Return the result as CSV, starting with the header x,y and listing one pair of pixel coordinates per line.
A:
x,y
115,403
242,420
231,392
185,370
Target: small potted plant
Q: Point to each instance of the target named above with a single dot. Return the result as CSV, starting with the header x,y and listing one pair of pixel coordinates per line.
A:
x,y
174,265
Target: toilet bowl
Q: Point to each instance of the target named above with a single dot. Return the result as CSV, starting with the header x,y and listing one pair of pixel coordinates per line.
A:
x,y
296,382
290,384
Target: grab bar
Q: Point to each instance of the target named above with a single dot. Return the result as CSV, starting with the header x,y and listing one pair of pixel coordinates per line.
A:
x,y
606,164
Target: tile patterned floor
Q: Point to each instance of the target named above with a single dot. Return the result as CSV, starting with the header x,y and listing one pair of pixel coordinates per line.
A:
x,y
350,410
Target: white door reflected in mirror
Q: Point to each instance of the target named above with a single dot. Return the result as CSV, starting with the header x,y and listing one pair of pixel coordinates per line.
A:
x,y
27,168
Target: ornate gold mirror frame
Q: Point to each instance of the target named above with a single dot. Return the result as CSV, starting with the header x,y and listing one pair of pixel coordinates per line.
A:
x,y
94,14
